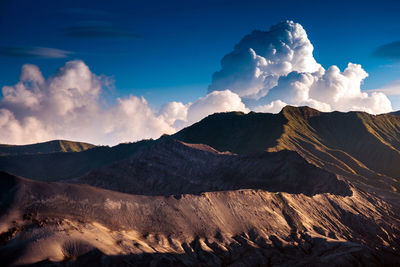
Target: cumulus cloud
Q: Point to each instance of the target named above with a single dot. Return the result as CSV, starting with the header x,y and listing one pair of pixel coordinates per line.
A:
x,y
174,112
260,58
218,101
273,107
277,67
68,105
329,90
264,72
180,115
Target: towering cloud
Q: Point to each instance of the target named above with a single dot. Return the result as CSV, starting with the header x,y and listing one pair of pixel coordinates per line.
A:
x,y
277,67
260,58
264,72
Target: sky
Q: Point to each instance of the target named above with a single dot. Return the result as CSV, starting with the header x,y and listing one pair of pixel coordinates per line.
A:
x,y
133,57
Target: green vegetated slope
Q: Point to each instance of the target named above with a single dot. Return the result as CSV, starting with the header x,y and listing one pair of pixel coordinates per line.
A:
x,y
361,146
45,147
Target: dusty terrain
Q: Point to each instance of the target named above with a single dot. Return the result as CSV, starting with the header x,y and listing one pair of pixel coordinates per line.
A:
x,y
58,222
291,189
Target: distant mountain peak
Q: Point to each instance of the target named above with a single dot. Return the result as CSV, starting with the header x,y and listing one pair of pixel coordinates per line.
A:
x,y
45,147
303,111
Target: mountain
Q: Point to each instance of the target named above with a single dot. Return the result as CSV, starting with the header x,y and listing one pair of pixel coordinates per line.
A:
x,y
297,188
64,165
361,146
45,147
365,148
172,167
396,113
79,225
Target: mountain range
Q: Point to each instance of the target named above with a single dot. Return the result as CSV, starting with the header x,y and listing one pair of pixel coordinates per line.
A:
x,y
301,187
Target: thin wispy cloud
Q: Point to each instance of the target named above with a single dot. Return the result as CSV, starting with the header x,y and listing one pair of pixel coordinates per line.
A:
x,y
86,12
388,51
92,23
98,29
390,89
33,52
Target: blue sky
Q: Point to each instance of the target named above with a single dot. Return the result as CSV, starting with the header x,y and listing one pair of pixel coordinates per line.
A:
x,y
168,50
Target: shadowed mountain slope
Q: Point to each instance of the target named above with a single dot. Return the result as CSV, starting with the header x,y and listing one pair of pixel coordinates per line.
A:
x,y
363,147
80,224
57,166
45,147
172,167
300,187
236,132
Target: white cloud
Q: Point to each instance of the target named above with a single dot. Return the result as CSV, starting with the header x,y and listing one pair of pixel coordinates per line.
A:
x,y
217,101
68,105
328,90
266,71
132,119
173,112
14,131
260,58
273,107
180,115
270,68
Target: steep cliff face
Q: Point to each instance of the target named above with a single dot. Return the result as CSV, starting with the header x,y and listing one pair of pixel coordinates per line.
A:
x,y
45,222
